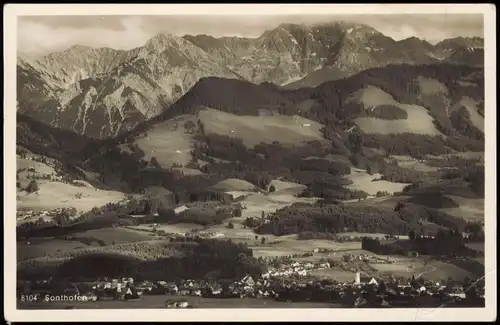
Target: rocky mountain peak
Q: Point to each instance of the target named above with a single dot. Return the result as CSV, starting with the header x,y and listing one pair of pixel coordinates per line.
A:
x,y
414,42
161,41
465,42
78,48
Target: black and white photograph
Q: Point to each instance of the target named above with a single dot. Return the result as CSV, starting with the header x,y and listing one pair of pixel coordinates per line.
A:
x,y
271,157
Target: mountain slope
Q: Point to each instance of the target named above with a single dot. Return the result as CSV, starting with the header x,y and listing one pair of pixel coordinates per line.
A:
x,y
429,108
312,137
105,92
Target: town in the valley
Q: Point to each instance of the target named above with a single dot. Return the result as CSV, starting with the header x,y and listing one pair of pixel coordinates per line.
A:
x,y
286,280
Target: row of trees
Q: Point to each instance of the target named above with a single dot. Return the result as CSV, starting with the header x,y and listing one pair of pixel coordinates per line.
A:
x,y
449,243
330,218
336,218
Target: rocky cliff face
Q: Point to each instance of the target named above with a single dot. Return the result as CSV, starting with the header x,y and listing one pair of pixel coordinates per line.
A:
x,y
103,92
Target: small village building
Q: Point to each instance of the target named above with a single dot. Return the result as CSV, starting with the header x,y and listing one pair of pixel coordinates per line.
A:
x,y
180,209
184,292
368,280
183,304
131,294
357,279
249,281
422,289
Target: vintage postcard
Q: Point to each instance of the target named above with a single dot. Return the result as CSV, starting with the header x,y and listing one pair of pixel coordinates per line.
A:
x,y
203,161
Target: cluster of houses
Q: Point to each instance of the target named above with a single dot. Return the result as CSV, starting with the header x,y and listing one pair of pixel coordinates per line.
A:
x,y
295,268
371,259
274,285
211,234
29,214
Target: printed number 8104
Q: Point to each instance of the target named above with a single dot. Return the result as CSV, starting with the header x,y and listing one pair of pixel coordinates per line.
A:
x,y
29,298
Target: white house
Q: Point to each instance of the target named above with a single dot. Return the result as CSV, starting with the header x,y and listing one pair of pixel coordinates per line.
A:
x,y
302,272
180,209
248,280
459,295
183,304
366,280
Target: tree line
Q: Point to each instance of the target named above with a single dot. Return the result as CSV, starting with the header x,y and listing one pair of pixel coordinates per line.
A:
x,y
445,243
198,259
337,218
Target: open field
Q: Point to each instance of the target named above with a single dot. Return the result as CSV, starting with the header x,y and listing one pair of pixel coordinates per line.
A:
x,y
143,250
429,86
40,247
476,246
115,235
169,141
234,184
177,228
469,209
443,270
53,195
39,167
158,301
403,270
419,121
289,245
253,130
238,194
365,182
464,155
282,185
335,274
428,269
257,203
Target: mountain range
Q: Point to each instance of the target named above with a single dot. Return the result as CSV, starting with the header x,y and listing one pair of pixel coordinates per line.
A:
x,y
102,92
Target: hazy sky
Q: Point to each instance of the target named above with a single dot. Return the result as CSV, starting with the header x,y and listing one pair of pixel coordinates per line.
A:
x,y
43,34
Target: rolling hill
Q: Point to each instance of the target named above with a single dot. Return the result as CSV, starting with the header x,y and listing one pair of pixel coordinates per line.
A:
x,y
211,144
399,109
